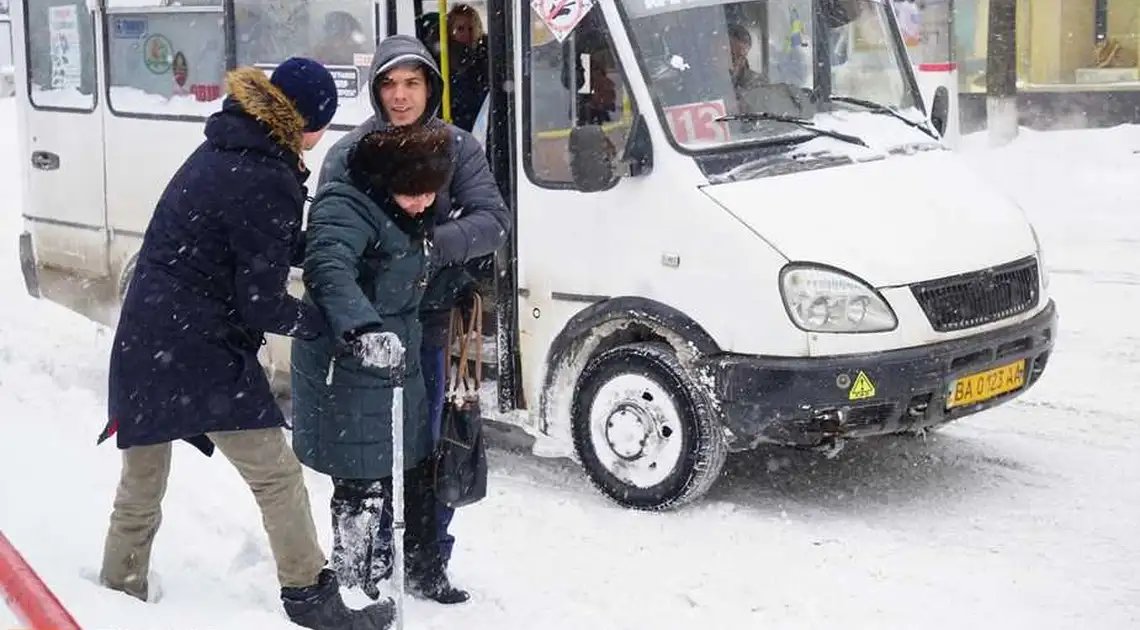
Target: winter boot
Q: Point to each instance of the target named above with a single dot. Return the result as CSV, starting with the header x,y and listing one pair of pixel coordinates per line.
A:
x,y
320,607
437,587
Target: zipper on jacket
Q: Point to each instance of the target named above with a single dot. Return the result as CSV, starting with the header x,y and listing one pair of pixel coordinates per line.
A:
x,y
425,266
332,368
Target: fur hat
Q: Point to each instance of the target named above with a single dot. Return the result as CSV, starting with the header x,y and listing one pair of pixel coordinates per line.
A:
x,y
310,87
409,160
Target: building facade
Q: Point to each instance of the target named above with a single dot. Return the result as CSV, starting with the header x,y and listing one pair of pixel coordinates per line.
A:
x,y
1078,61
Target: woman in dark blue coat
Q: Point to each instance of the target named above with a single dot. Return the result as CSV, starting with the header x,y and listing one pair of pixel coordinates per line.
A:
x,y
367,264
209,283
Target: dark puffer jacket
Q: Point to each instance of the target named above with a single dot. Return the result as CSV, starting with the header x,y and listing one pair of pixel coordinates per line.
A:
x,y
365,274
210,280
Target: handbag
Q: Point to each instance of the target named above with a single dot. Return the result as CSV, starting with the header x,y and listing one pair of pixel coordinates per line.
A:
x,y
460,471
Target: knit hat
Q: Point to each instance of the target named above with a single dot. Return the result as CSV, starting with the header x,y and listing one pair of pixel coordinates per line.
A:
x,y
311,88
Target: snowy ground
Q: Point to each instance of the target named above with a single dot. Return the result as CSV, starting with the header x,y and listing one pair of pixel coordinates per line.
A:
x,y
1024,517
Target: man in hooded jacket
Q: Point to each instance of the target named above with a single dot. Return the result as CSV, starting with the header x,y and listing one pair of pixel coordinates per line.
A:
x,y
472,221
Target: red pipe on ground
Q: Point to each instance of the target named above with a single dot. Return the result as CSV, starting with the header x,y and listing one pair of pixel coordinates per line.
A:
x,y
27,595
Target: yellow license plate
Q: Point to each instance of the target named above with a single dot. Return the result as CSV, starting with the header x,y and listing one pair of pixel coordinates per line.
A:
x,y
983,386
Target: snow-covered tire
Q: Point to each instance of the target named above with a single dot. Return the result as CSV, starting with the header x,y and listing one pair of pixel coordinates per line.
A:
x,y
644,432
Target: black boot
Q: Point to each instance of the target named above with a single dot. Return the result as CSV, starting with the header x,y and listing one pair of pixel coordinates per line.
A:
x,y
437,588
320,607
427,577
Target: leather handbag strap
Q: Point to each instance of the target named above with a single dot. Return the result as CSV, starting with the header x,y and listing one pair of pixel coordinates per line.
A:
x,y
467,336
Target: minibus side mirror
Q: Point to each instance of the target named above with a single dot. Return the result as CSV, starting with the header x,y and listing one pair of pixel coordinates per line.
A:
x,y
940,110
595,164
593,159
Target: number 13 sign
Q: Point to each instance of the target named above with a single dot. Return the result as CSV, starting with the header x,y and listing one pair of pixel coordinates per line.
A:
x,y
692,123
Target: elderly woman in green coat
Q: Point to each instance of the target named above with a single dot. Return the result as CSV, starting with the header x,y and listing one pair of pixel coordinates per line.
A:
x,y
367,262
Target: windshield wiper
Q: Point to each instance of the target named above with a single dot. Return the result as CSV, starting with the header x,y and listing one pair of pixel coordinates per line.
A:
x,y
879,108
801,122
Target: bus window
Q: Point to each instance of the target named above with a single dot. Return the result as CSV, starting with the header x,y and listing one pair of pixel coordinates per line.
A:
x,y
598,94
165,60
61,54
338,33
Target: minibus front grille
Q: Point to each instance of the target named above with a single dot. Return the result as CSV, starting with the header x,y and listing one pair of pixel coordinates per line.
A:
x,y
978,298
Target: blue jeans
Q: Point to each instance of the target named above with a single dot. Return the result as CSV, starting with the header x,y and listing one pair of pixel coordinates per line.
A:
x,y
434,364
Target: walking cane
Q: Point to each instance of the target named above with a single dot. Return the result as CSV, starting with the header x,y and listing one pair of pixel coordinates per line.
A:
x,y
398,490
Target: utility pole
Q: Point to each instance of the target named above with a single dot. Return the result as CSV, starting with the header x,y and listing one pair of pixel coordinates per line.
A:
x,y
1001,72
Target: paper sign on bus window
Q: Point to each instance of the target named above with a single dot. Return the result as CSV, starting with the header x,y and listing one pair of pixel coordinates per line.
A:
x,y
692,123
66,53
561,16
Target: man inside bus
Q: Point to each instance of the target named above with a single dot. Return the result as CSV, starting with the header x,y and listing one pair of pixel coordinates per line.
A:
x,y
472,223
753,90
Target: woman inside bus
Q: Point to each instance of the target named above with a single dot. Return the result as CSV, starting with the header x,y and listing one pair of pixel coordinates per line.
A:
x,y
367,262
467,60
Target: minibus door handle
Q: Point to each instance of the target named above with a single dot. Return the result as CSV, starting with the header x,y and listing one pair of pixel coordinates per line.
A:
x,y
45,160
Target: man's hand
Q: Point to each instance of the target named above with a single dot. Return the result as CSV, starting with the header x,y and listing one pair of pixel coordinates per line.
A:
x,y
379,349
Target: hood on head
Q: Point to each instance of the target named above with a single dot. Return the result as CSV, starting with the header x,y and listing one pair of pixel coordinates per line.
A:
x,y
253,92
396,50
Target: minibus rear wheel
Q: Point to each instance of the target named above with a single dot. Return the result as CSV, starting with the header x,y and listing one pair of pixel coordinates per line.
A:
x,y
644,430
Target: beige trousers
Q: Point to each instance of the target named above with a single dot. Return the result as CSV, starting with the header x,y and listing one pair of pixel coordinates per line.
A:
x,y
264,460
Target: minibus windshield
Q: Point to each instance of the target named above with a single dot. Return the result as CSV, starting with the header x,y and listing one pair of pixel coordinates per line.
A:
x,y
706,60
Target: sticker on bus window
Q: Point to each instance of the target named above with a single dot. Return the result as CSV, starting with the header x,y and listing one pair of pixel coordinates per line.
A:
x,y
561,16
362,60
66,53
180,69
347,79
129,27
693,123
158,54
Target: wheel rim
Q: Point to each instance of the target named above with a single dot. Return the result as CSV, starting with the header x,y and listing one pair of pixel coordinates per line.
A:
x,y
636,430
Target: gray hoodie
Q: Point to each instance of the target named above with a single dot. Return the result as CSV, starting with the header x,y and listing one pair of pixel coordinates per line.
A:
x,y
472,219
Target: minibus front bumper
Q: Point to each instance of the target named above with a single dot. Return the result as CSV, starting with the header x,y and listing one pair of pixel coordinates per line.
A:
x,y
28,265
814,401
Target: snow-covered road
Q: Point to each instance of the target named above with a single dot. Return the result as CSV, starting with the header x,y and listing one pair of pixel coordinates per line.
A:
x,y
1023,517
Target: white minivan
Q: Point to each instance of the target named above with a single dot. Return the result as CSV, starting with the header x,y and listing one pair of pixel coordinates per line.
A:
x,y
734,221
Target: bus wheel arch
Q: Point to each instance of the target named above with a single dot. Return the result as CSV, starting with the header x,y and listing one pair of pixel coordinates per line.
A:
x,y
640,343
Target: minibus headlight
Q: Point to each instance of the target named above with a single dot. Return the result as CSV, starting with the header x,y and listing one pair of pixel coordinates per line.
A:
x,y
830,301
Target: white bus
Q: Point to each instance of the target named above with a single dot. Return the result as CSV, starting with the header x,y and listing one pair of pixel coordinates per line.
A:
x,y
735,225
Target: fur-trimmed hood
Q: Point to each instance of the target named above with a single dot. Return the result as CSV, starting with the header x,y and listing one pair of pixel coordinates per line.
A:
x,y
251,92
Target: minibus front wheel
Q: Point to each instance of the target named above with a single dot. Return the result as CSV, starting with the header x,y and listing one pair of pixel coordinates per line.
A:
x,y
644,429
